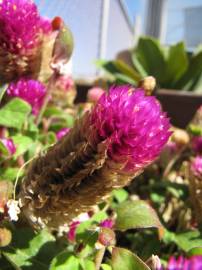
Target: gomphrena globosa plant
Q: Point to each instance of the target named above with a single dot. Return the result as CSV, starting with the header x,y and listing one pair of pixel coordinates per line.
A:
x,y
106,149
21,38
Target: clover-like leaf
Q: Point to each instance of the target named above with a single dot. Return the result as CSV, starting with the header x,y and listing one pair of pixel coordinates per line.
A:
x,y
135,215
123,259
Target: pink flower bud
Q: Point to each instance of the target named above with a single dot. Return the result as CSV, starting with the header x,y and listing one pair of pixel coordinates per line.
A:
x,y
62,132
94,94
8,143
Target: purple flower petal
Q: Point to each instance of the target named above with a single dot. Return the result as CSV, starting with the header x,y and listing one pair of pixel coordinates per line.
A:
x,y
21,26
133,125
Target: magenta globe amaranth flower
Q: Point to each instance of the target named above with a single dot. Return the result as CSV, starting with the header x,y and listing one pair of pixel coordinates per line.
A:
x,y
133,124
107,147
31,91
21,38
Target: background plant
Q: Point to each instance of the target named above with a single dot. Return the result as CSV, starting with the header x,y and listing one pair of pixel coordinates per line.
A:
x,y
172,66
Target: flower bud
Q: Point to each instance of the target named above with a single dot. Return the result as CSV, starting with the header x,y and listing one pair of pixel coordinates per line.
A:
x,y
148,84
5,237
94,94
107,237
180,137
8,143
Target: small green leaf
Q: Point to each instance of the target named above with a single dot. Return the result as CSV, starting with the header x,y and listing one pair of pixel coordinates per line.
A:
x,y
105,267
188,240
123,259
22,143
195,130
127,70
149,54
177,64
10,173
30,250
185,241
188,80
3,149
87,264
14,113
65,261
136,214
195,251
120,194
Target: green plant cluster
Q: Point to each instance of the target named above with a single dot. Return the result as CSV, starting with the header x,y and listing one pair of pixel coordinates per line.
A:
x,y
172,66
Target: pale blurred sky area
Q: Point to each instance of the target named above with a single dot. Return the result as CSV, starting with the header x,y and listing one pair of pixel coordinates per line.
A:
x,y
182,20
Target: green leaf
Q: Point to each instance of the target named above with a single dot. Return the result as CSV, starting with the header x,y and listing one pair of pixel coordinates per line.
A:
x,y
105,267
9,173
3,89
14,113
123,259
31,251
150,55
22,143
3,149
195,130
120,71
87,264
136,214
177,64
124,79
65,261
184,241
126,70
138,65
195,251
189,240
120,194
188,80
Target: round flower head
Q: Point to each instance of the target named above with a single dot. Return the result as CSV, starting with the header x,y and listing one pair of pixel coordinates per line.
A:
x,y
196,166
133,125
31,91
20,25
21,37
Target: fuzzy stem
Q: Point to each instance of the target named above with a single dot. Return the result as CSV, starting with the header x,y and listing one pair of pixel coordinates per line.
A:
x,y
99,257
